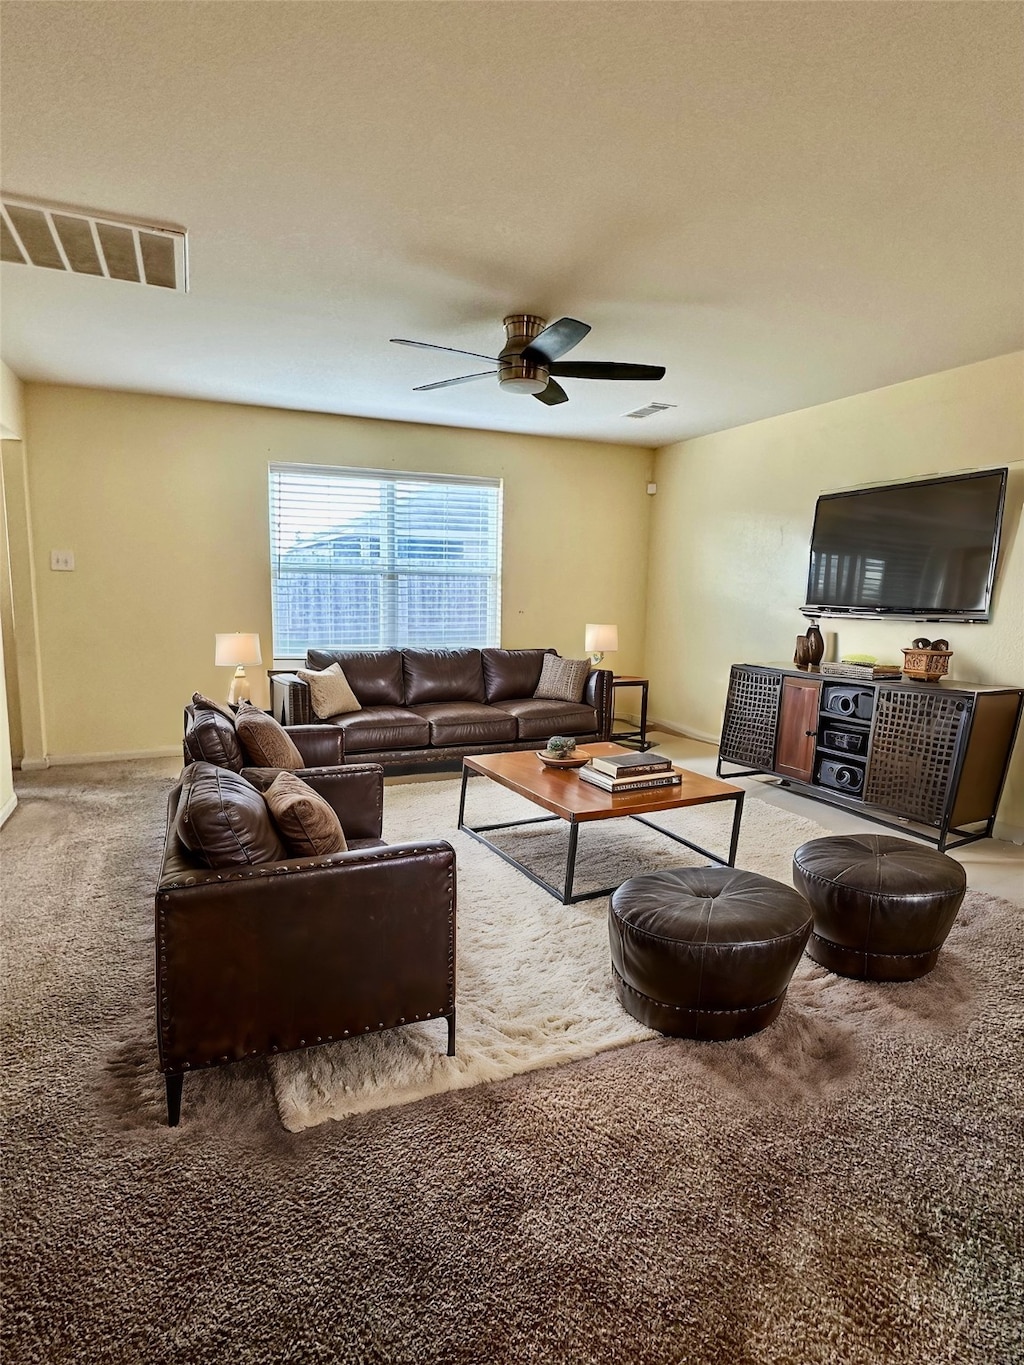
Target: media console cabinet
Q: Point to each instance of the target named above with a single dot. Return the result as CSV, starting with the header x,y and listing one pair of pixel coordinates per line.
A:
x,y
888,750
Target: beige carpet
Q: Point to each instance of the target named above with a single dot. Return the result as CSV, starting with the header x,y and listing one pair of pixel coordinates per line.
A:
x,y
844,1189
534,983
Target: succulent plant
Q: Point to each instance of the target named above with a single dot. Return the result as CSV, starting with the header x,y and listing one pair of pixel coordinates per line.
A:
x,y
561,745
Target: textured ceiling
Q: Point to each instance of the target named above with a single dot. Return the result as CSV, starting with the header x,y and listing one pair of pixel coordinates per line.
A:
x,y
782,203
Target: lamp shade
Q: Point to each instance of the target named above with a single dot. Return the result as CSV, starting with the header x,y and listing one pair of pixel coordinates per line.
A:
x,y
601,638
233,650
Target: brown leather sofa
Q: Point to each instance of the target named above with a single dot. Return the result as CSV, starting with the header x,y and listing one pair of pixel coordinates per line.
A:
x,y
429,708
266,957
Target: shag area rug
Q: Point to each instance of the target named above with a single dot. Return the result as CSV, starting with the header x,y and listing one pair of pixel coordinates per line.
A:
x,y
842,1189
534,983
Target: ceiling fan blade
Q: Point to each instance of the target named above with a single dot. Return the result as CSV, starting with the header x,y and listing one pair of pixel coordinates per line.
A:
x,y
556,338
429,346
554,393
447,383
604,369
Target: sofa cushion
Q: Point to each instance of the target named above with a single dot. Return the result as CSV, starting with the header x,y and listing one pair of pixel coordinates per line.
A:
x,y
467,722
202,703
511,672
562,679
382,727
375,676
211,738
442,675
540,719
223,820
307,823
265,741
329,692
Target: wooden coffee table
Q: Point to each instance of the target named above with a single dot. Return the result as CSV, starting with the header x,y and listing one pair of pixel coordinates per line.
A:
x,y
562,792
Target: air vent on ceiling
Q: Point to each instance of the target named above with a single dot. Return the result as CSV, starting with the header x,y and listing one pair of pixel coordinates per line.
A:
x,y
58,237
651,409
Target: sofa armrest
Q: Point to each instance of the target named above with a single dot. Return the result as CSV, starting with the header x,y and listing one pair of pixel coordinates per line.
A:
x,y
289,700
321,746
355,792
600,694
285,955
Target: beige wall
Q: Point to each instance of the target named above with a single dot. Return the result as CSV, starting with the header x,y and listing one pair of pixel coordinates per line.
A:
x,y
164,503
11,425
731,527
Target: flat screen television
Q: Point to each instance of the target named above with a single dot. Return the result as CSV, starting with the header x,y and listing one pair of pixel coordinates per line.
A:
x,y
924,550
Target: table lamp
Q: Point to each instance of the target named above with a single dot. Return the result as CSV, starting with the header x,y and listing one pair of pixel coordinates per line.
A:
x,y
599,639
235,651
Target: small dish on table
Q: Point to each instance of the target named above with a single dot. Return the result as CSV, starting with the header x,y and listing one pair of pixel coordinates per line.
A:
x,y
579,758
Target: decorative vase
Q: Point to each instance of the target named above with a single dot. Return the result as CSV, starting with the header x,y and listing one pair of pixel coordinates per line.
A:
x,y
815,645
802,656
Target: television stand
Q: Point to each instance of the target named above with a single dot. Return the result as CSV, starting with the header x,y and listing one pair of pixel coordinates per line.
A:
x,y
892,751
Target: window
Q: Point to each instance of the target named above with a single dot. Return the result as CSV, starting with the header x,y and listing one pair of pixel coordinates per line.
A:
x,y
362,559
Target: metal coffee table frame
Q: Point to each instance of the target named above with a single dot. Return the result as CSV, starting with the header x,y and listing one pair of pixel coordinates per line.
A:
x,y
566,894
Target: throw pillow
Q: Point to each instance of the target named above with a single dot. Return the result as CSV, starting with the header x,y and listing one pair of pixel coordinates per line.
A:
x,y
223,820
211,738
329,692
562,679
266,743
202,703
308,823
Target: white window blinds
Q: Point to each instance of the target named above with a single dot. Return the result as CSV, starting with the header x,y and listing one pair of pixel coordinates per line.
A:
x,y
362,558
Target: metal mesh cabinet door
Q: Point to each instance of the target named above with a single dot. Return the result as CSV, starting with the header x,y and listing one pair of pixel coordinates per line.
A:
x,y
751,717
914,744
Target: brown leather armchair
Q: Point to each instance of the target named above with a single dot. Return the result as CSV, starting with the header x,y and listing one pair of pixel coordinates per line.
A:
x,y
275,956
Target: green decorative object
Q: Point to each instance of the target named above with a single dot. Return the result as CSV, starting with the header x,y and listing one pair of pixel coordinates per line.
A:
x,y
561,746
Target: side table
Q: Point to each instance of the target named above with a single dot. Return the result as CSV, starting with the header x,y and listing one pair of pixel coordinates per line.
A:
x,y
634,739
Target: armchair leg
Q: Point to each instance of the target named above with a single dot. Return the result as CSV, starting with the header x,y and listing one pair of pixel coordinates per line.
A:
x,y
173,1084
451,1034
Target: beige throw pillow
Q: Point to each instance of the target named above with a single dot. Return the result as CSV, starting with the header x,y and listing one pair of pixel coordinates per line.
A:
x,y
308,824
329,692
266,743
562,679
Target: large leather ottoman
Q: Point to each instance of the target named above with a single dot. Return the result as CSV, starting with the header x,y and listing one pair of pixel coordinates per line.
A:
x,y
705,952
882,906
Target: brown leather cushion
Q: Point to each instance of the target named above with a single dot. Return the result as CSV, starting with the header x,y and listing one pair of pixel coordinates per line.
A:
x,y
540,719
223,820
307,823
264,740
382,727
511,673
442,675
329,692
212,739
562,679
375,676
202,703
467,722
705,952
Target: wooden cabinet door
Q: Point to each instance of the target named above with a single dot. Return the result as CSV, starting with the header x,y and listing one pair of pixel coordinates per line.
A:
x,y
798,728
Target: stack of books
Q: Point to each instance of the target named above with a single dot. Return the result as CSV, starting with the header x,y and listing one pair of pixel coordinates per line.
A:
x,y
629,772
852,668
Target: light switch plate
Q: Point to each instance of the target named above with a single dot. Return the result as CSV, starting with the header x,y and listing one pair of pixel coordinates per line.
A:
x,y
62,560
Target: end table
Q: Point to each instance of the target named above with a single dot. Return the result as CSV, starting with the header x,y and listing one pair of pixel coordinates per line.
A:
x,y
634,739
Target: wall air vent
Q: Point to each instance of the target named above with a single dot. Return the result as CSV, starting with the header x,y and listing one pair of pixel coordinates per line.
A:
x,y
651,409
58,237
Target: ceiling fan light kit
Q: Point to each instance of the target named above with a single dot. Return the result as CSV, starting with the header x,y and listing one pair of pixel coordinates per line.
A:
x,y
529,361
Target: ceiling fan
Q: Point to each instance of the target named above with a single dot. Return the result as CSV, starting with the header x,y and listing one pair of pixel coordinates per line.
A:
x,y
529,361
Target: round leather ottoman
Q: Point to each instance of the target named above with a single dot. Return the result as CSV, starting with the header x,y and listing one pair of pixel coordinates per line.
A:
x,y
882,906
705,952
